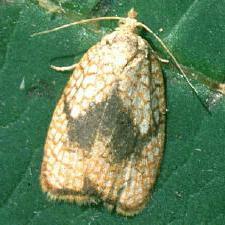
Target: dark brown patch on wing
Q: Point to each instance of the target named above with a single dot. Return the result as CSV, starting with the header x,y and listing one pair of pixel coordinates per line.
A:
x,y
110,121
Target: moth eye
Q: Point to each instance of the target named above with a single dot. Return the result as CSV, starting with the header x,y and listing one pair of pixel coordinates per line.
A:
x,y
121,22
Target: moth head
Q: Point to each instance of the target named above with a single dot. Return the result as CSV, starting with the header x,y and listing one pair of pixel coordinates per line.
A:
x,y
129,23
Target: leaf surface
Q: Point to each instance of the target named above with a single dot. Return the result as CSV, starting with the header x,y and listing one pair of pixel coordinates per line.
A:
x,y
190,188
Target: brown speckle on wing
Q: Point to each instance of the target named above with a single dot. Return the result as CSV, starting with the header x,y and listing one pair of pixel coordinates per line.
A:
x,y
105,141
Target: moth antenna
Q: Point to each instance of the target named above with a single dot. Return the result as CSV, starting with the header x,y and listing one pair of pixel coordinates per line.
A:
x,y
171,55
77,23
131,14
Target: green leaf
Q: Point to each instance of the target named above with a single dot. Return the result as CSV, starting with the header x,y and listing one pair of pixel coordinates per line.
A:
x,y
190,187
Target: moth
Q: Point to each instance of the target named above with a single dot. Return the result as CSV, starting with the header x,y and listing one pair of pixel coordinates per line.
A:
x,y
106,138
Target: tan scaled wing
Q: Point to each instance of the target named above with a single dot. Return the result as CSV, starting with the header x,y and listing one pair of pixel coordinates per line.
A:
x,y
125,155
67,148
106,137
142,167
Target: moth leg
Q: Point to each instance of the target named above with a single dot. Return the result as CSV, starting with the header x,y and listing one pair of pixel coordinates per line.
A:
x,y
156,56
162,60
64,68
